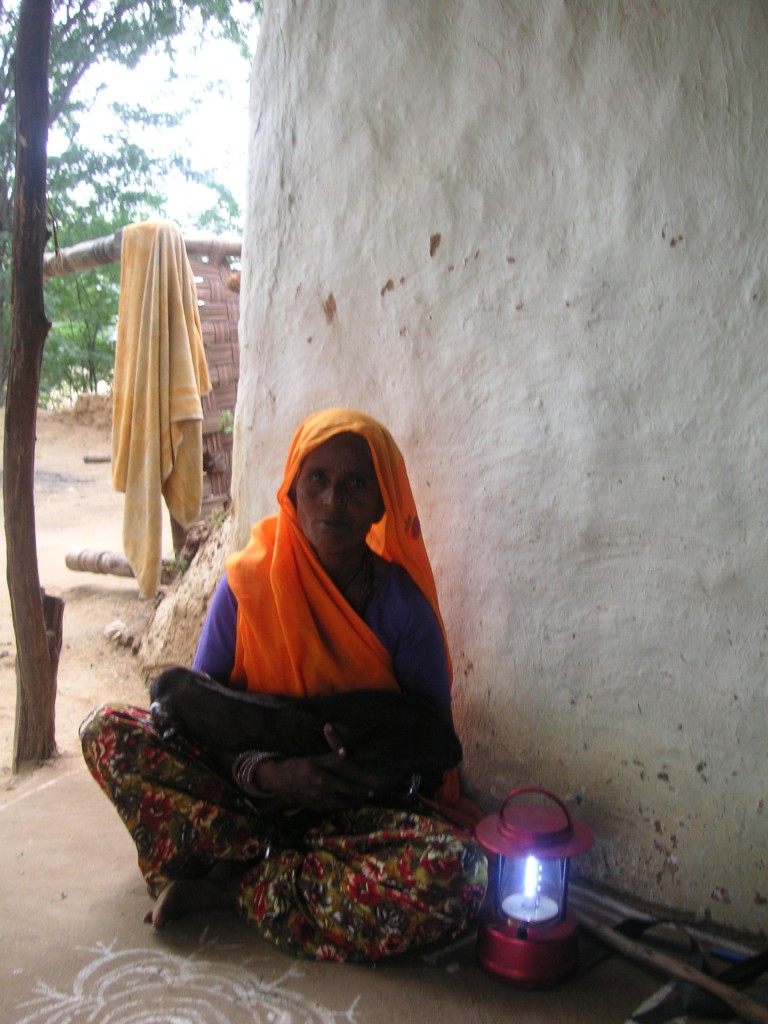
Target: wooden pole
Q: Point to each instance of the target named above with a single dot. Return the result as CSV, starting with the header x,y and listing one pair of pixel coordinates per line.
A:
x,y
84,255
741,1004
106,562
113,563
98,251
36,672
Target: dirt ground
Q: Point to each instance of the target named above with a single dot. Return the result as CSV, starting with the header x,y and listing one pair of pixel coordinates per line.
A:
x,y
76,508
75,949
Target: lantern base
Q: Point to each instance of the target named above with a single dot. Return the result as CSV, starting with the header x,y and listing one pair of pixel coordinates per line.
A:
x,y
528,958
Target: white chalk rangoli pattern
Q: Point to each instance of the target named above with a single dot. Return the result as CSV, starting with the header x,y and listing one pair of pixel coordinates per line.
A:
x,y
153,986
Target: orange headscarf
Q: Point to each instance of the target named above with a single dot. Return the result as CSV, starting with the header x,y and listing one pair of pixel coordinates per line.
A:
x,y
296,635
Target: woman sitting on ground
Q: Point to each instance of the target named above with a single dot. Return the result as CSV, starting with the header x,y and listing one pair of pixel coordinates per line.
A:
x,y
335,593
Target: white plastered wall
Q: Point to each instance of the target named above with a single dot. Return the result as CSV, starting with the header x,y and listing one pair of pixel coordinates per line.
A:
x,y
531,238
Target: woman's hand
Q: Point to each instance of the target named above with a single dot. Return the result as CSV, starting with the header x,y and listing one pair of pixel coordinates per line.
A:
x,y
325,782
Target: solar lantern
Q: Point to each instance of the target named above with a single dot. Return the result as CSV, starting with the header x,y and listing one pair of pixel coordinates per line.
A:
x,y
527,936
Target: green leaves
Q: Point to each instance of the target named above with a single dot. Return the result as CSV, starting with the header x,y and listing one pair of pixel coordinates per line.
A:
x,y
80,349
97,186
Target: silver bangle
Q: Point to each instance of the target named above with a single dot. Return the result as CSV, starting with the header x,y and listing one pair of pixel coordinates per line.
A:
x,y
244,769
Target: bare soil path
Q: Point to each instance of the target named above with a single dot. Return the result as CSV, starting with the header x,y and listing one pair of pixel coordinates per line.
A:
x,y
76,507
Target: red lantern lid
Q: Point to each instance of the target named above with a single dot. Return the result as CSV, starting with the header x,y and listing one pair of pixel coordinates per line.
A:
x,y
546,831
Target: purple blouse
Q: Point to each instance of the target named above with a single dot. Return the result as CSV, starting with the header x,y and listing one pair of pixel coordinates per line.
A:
x,y
398,613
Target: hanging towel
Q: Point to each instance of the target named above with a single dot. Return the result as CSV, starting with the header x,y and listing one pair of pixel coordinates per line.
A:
x,y
160,374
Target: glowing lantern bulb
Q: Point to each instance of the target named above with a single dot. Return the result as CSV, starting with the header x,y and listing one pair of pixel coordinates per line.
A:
x,y
530,905
532,878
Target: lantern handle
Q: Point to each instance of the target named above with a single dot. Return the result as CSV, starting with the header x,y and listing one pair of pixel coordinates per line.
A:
x,y
509,830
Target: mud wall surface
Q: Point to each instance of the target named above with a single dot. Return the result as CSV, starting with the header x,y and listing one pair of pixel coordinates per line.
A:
x,y
531,238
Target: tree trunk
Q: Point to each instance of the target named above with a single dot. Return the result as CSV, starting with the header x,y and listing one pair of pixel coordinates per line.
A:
x,y
36,669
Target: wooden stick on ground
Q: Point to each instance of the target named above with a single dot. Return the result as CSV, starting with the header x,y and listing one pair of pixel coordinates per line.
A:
x,y
741,1004
106,562
113,563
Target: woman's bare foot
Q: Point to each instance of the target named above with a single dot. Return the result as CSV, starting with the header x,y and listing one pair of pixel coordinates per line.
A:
x,y
187,895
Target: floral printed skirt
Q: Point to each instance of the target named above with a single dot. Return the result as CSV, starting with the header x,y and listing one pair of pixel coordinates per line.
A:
x,y
354,885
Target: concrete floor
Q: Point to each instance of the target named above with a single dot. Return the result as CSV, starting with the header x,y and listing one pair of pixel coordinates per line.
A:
x,y
75,949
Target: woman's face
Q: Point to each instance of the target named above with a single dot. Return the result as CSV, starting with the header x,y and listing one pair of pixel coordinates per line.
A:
x,y
337,496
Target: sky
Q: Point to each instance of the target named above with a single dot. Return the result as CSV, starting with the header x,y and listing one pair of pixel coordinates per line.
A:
x,y
214,136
